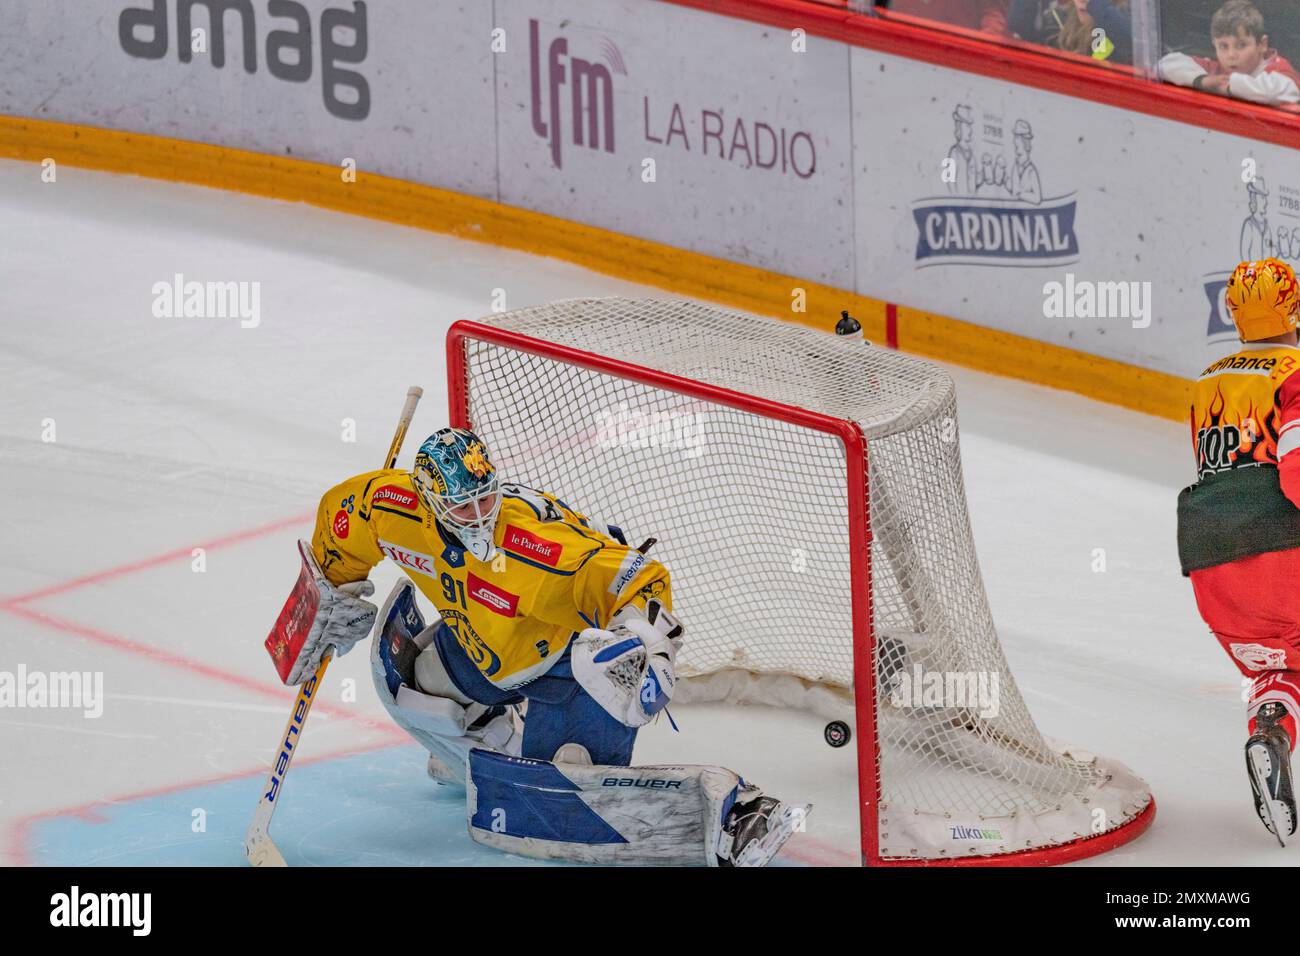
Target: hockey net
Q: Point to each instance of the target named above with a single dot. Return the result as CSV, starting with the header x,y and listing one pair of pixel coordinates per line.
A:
x,y
807,494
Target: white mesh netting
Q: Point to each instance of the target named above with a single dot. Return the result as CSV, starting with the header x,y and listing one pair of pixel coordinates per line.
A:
x,y
752,518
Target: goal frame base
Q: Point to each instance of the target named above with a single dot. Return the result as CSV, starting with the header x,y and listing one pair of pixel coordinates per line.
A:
x,y
1080,849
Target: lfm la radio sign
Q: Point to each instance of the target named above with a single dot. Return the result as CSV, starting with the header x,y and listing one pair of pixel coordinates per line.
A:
x,y
586,117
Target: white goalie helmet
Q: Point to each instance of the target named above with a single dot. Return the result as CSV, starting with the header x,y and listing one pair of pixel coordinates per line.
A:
x,y
458,482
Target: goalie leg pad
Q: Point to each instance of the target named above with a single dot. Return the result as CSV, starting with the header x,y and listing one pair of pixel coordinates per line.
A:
x,y
443,726
599,814
432,677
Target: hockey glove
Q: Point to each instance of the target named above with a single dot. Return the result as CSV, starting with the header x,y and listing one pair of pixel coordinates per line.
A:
x,y
630,668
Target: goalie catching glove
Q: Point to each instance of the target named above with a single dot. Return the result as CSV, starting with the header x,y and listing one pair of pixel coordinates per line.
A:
x,y
630,668
318,617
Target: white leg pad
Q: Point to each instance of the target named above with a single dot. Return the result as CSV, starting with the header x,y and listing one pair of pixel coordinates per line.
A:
x,y
430,673
612,815
438,723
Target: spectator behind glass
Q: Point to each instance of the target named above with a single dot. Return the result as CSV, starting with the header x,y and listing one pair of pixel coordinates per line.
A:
x,y
1185,25
1245,66
987,16
1069,25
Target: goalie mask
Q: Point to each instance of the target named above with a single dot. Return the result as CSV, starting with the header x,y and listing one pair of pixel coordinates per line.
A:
x,y
459,485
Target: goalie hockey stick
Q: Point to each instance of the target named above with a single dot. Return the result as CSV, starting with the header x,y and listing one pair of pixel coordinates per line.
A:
x,y
258,845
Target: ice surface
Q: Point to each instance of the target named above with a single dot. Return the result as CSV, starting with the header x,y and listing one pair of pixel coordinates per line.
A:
x,y
174,434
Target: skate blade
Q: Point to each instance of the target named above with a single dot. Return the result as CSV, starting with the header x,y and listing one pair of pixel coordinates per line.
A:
x,y
1271,811
785,822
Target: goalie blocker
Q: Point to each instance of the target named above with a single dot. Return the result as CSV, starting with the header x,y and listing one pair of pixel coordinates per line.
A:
x,y
317,618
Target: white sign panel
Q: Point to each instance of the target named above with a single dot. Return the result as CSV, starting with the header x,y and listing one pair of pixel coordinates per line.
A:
x,y
403,89
720,136
1057,218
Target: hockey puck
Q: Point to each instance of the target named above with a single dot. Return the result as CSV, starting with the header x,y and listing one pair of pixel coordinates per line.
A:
x,y
837,733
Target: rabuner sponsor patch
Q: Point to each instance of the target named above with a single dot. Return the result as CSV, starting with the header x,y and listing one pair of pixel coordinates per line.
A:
x,y
408,559
395,496
492,597
341,524
525,544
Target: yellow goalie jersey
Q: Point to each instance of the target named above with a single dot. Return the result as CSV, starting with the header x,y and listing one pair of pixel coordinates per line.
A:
x,y
554,572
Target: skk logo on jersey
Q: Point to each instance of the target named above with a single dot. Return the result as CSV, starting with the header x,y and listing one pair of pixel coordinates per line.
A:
x,y
408,559
398,497
492,597
995,212
341,524
632,564
525,544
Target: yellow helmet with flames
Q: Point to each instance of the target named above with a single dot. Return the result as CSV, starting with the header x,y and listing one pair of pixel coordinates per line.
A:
x,y
1263,298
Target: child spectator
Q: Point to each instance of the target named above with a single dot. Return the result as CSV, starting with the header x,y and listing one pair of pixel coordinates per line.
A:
x,y
1185,25
1245,65
987,16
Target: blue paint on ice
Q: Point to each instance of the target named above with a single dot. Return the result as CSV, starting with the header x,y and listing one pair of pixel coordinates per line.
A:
x,y
371,809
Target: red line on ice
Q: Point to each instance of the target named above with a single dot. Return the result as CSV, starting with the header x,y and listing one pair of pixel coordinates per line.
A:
x,y
177,554
160,656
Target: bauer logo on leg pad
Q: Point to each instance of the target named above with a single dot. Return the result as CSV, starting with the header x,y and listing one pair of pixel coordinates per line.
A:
x,y
597,814
655,784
